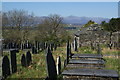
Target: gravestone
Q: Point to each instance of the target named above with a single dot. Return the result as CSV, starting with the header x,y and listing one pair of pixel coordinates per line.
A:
x,y
75,44
51,46
38,46
68,50
21,46
28,58
58,66
34,50
13,61
51,67
98,49
46,45
70,53
23,60
5,67
55,46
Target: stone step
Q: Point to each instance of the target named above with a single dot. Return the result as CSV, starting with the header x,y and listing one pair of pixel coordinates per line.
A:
x,y
81,61
85,66
91,73
98,56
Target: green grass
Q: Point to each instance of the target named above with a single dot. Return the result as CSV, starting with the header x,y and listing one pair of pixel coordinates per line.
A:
x,y
113,64
37,69
86,50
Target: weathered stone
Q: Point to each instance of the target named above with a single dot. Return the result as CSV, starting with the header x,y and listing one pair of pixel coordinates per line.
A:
x,y
75,42
23,60
55,46
98,49
28,58
86,61
5,67
34,50
13,61
70,53
97,56
58,66
51,67
91,72
68,50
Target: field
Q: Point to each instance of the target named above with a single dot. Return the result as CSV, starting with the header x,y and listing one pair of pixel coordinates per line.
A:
x,y
38,67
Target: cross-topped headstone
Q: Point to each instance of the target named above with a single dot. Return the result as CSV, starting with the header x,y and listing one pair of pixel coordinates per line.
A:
x,y
51,67
5,67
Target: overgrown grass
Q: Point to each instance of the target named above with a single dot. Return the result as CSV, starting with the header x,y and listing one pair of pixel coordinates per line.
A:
x,y
37,69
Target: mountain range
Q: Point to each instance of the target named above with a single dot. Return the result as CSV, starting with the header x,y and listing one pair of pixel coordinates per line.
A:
x,y
83,20
76,20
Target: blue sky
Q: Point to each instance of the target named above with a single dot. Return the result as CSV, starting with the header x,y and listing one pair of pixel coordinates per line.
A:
x,y
89,9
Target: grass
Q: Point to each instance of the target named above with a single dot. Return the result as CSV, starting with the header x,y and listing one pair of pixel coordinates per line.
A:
x,y
38,67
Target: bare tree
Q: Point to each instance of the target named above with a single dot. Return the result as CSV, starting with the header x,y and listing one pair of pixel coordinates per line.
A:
x,y
18,22
51,28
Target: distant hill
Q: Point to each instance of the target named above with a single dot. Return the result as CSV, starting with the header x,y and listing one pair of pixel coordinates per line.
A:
x,y
75,20
83,20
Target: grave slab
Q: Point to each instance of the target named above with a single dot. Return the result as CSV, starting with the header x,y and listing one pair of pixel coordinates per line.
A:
x,y
85,66
91,72
99,56
85,61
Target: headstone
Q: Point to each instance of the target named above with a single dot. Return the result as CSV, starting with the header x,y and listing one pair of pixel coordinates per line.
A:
x,y
51,67
5,67
98,49
65,63
38,46
70,54
75,42
51,46
68,50
34,50
58,66
55,46
23,60
28,58
46,45
13,61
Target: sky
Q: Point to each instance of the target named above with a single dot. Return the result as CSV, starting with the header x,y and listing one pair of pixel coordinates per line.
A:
x,y
88,9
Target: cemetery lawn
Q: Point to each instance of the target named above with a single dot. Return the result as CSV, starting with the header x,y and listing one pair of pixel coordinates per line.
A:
x,y
38,67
